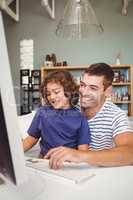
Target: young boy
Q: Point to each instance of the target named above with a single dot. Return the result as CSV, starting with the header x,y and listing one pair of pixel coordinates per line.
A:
x,y
58,123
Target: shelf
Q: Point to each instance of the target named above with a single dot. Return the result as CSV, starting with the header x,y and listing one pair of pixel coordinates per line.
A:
x,y
64,67
121,66
122,102
121,83
29,90
81,67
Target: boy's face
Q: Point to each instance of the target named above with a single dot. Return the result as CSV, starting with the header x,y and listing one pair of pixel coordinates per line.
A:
x,y
92,92
56,97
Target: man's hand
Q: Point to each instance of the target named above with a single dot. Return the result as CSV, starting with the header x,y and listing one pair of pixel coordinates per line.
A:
x,y
58,155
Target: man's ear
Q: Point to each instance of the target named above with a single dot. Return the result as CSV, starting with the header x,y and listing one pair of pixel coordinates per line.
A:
x,y
108,91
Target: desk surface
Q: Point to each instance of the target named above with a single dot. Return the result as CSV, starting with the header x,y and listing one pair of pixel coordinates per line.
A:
x,y
107,184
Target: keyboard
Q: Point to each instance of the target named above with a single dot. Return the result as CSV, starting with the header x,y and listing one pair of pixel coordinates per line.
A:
x,y
76,173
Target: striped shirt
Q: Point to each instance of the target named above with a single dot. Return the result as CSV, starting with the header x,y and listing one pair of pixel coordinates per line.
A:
x,y
106,124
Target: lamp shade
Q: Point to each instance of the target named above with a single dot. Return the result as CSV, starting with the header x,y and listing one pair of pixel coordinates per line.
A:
x,y
78,21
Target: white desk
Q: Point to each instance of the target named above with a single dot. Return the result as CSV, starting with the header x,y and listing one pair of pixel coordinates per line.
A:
x,y
108,184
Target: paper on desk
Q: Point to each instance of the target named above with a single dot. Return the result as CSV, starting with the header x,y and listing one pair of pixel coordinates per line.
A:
x,y
77,173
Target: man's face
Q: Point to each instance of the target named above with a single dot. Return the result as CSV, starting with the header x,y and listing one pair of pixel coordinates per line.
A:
x,y
92,93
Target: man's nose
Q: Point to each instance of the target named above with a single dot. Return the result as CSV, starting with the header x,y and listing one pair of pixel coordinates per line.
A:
x,y
84,90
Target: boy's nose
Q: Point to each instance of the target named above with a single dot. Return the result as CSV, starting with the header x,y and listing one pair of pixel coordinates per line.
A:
x,y
52,96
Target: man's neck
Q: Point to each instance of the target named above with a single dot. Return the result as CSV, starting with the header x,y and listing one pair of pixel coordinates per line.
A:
x,y
92,111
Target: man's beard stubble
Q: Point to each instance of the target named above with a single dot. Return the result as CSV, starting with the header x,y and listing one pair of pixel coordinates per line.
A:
x,y
87,101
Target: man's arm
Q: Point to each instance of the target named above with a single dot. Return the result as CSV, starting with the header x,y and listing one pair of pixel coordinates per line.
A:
x,y
121,154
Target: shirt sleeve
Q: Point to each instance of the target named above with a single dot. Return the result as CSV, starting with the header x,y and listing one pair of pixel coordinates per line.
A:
x,y
84,132
35,127
120,124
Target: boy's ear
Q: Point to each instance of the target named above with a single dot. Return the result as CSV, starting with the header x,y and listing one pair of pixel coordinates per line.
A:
x,y
108,91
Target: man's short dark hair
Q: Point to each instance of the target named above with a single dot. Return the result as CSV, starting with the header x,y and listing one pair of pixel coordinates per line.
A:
x,y
101,69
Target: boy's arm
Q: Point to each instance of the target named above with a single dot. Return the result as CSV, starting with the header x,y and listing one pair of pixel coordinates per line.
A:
x,y
29,142
83,137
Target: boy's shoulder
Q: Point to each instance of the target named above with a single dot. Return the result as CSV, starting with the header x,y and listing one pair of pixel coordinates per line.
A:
x,y
43,109
78,112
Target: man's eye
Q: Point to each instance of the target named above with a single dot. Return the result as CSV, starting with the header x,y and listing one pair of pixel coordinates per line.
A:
x,y
94,89
82,85
57,92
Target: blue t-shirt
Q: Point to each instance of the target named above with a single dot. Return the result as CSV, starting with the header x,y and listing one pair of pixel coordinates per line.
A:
x,y
62,127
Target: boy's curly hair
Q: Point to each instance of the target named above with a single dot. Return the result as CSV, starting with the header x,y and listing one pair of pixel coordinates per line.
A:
x,y
66,80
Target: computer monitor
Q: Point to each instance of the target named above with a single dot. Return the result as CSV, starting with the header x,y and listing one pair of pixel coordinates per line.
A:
x,y
12,164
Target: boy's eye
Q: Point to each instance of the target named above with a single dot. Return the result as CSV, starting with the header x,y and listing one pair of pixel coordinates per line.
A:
x,y
48,94
54,92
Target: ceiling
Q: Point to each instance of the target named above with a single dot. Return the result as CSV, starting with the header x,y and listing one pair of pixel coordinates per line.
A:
x,y
49,5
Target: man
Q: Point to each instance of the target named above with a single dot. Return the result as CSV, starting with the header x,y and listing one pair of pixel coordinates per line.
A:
x,y
111,137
